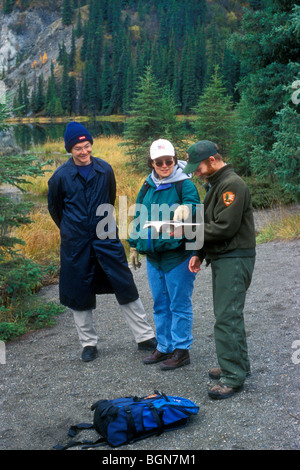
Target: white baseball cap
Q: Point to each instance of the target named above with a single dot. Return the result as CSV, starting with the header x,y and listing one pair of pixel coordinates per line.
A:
x,y
161,148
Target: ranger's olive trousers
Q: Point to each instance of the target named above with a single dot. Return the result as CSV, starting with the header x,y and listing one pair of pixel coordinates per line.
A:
x,y
231,278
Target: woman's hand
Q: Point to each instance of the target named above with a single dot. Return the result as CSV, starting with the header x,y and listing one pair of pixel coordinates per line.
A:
x,y
194,264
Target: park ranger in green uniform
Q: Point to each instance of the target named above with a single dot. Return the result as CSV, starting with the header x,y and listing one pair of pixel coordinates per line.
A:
x,y
229,246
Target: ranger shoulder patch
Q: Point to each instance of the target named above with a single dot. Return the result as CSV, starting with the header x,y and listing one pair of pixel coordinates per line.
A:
x,y
228,198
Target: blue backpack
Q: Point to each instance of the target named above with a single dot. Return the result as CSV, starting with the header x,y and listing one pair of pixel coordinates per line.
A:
x,y
125,420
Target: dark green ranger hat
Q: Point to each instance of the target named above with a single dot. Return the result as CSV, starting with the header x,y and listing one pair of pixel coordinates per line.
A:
x,y
197,152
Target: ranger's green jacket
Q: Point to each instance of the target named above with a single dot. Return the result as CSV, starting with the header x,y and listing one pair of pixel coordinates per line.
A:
x,y
228,217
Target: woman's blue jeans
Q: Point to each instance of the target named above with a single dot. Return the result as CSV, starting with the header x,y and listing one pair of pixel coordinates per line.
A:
x,y
172,304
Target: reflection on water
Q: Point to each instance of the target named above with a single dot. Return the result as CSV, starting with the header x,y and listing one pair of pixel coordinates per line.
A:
x,y
24,136
21,137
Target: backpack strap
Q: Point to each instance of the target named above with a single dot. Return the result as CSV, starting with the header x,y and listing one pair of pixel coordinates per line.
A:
x,y
85,443
178,186
145,188
157,418
131,429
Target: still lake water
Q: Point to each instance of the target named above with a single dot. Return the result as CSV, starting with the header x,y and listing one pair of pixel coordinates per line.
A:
x,y
23,136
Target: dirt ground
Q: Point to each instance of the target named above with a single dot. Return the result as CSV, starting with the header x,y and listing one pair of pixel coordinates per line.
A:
x,y
45,387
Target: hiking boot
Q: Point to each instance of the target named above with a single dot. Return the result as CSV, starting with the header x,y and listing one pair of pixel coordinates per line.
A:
x,y
155,357
178,358
215,373
221,391
148,345
89,353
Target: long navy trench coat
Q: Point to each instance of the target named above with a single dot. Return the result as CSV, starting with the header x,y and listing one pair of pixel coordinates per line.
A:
x,y
89,265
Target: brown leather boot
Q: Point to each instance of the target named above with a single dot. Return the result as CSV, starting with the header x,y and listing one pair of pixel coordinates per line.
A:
x,y
221,391
155,356
178,358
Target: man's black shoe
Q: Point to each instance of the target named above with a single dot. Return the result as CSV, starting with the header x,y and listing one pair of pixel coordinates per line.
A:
x,y
89,353
148,345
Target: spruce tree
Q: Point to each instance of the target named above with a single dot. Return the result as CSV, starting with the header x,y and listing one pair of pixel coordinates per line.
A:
x,y
266,126
8,6
267,46
73,94
106,81
214,114
189,90
51,93
72,55
286,151
16,273
25,97
40,95
65,98
66,14
152,117
18,103
79,28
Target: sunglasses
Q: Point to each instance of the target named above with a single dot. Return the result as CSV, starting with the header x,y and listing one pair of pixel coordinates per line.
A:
x,y
161,162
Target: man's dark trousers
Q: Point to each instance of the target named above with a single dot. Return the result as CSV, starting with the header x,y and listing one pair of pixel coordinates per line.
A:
x,y
231,278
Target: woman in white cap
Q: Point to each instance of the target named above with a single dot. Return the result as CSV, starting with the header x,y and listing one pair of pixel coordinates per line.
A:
x,y
166,190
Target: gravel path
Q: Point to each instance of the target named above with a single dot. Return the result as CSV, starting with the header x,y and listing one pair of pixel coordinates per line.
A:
x,y
45,387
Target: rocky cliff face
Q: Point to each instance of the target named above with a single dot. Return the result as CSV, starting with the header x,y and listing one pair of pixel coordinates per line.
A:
x,y
29,40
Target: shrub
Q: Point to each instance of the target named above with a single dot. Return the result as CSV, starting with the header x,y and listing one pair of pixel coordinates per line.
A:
x,y
267,194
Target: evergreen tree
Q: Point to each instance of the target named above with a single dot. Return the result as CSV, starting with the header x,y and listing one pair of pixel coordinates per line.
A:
x,y
90,94
8,6
65,97
51,93
106,81
67,11
231,74
200,59
72,55
119,61
85,42
26,102
268,49
79,28
16,273
40,96
113,16
18,103
63,56
58,109
214,114
189,88
152,117
286,151
73,94
21,99
242,138
129,78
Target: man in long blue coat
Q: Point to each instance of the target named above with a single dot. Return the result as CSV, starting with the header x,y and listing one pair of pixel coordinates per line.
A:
x,y
81,191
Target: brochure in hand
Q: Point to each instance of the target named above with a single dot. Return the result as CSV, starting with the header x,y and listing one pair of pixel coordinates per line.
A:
x,y
168,226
